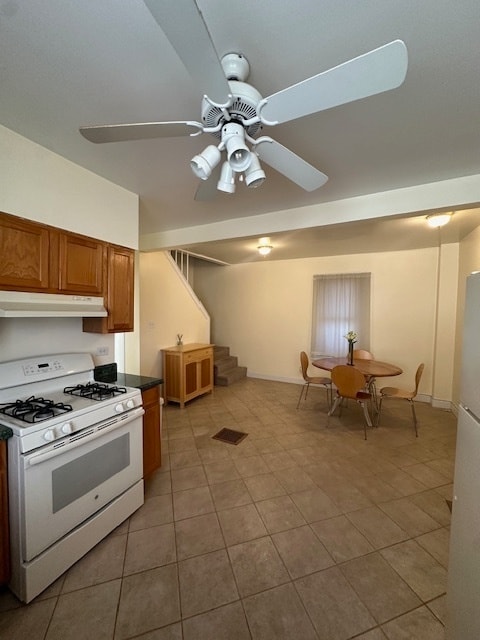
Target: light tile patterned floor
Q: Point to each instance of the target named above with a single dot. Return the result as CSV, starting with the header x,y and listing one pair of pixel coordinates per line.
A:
x,y
303,530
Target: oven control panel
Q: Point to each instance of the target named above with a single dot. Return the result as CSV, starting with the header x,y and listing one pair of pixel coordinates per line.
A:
x,y
42,368
34,368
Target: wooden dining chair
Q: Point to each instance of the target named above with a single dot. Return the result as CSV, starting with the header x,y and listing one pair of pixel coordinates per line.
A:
x,y
402,394
351,385
315,380
363,354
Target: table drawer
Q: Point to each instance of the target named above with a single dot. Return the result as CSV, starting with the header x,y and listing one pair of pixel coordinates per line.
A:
x,y
194,356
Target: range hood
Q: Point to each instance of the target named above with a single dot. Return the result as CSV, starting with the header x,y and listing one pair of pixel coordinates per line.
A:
x,y
21,304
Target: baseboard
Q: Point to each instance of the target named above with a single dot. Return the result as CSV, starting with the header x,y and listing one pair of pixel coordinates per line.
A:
x,y
262,376
447,405
442,404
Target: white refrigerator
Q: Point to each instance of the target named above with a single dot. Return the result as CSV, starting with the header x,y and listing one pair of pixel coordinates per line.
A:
x,y
463,592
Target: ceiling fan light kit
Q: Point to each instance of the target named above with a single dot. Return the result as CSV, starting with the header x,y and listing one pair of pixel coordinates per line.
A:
x,y
227,179
238,154
235,112
203,164
254,175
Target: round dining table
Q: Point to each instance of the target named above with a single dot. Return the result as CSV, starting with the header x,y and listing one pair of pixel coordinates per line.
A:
x,y
370,368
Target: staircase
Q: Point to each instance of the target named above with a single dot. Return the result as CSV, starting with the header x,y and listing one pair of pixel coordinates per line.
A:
x,y
225,367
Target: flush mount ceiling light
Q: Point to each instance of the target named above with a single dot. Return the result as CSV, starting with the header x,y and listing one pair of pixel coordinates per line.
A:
x,y
264,246
264,249
438,220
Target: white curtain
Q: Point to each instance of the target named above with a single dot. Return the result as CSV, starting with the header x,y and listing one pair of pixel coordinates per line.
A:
x,y
341,303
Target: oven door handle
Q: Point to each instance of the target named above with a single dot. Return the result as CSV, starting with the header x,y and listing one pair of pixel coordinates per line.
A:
x,y
37,458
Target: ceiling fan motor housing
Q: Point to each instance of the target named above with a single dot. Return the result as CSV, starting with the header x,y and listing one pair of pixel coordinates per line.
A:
x,y
244,107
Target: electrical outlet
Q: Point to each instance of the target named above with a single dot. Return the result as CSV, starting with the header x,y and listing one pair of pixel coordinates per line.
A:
x,y
102,351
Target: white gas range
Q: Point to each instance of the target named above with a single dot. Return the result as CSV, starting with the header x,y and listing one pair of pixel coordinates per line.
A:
x,y
75,463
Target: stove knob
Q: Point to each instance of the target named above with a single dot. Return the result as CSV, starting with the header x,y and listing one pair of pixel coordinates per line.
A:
x,y
119,407
67,428
49,435
130,404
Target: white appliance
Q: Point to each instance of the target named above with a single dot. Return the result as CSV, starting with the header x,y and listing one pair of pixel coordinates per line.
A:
x,y
75,463
25,304
463,593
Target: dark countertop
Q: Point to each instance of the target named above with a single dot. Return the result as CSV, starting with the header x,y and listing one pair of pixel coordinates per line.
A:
x,y
138,382
5,433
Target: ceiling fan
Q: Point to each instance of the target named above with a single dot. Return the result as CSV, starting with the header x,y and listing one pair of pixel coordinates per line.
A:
x,y
234,112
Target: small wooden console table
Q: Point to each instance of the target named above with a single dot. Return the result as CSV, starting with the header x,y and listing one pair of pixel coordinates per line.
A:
x,y
187,372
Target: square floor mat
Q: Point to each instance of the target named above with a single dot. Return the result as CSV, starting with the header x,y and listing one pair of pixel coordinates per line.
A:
x,y
230,436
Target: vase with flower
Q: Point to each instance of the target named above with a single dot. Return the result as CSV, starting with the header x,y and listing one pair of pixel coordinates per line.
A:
x,y
351,337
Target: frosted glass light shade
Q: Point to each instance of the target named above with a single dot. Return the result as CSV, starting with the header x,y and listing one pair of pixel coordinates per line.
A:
x,y
438,220
264,249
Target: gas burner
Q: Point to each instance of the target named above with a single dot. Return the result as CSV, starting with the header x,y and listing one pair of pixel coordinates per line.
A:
x,y
34,409
94,391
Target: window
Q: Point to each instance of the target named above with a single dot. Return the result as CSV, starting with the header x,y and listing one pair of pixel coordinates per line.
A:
x,y
341,303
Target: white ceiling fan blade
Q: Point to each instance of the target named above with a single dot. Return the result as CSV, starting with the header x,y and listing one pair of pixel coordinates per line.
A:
x,y
379,70
183,24
140,131
289,164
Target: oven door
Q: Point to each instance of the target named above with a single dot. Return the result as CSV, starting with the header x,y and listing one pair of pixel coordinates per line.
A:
x,y
65,486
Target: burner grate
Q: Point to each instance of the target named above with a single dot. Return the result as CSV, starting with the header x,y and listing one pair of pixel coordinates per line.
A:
x,y
94,391
34,409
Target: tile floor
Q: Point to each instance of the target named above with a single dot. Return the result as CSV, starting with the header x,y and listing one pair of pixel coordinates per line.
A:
x,y
301,531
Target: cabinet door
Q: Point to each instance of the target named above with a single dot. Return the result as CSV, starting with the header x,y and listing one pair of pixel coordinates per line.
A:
x,y
82,264
191,378
24,255
206,372
120,289
119,293
152,445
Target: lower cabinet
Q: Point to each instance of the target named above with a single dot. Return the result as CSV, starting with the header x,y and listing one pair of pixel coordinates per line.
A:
x,y
4,531
187,371
152,437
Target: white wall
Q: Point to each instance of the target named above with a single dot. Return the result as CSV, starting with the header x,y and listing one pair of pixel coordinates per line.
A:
x,y
262,311
167,307
39,185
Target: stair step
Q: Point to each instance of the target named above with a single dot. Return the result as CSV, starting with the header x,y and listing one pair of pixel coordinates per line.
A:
x,y
230,376
225,363
220,352
225,367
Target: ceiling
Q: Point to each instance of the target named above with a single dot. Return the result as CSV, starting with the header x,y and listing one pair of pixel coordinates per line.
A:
x,y
67,64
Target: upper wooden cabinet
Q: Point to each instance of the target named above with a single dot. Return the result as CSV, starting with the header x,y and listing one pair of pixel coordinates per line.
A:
x,y
25,255
81,264
36,257
118,293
